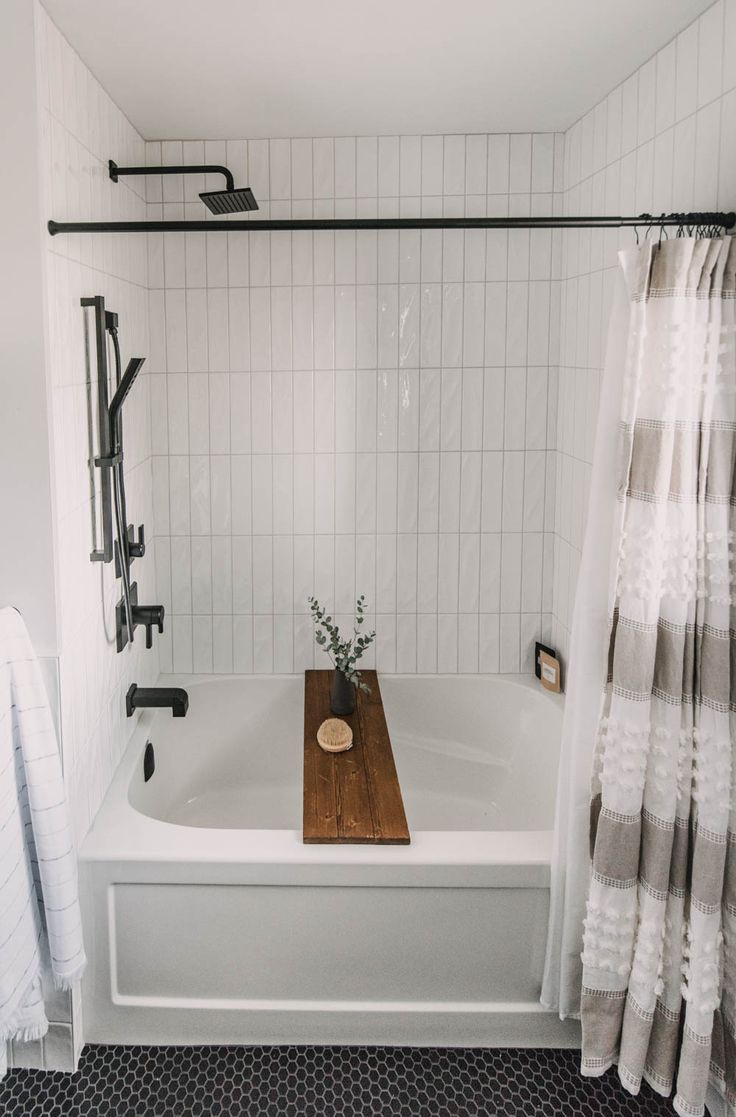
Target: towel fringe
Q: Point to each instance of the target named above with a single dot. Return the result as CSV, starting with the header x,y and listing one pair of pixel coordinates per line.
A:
x,y
24,1033
30,1034
65,982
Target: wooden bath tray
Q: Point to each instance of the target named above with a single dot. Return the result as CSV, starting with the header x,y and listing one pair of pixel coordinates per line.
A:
x,y
351,796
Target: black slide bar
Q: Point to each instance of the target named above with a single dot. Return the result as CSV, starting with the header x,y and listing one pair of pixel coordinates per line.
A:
x,y
682,220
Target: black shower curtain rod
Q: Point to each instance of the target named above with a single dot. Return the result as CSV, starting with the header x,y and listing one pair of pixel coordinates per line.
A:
x,y
682,220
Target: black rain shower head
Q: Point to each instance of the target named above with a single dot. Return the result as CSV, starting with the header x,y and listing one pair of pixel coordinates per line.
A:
x,y
235,200
230,200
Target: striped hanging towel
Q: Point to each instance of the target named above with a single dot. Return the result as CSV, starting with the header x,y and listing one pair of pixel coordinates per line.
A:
x,y
40,919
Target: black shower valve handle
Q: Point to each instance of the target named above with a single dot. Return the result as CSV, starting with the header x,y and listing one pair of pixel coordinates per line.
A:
x,y
148,616
137,547
149,628
158,620
149,636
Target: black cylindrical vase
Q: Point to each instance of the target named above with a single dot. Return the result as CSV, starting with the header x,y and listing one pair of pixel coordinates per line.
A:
x,y
342,695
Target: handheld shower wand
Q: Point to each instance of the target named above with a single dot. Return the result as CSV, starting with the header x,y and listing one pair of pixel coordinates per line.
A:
x,y
124,384
123,387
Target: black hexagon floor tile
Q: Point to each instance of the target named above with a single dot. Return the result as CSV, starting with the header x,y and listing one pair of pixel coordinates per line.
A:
x,y
322,1082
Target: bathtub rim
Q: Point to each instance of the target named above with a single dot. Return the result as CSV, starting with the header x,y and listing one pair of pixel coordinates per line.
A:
x,y
487,858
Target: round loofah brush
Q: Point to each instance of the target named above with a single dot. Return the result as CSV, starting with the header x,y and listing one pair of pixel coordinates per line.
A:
x,y
335,735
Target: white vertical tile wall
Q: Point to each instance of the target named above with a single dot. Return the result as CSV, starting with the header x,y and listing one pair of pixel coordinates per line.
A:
x,y
664,140
80,129
345,413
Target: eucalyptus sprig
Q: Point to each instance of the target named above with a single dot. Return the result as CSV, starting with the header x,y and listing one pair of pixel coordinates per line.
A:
x,y
343,653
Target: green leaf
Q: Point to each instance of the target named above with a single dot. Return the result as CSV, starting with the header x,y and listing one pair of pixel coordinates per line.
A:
x,y
343,653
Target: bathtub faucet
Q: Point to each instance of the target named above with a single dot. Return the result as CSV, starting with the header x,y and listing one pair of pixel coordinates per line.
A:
x,y
157,697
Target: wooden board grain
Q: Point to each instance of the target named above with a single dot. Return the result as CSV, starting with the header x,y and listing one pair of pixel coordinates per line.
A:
x,y
351,796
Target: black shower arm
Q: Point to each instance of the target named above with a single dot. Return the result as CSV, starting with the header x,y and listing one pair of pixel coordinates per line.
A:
x,y
206,168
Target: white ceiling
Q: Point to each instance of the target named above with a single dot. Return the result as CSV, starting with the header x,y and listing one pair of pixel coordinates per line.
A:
x,y
192,69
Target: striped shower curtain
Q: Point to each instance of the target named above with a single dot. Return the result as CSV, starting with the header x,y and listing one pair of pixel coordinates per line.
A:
x,y
659,943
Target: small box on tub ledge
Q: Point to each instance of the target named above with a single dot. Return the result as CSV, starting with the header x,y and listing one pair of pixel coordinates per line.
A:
x,y
547,668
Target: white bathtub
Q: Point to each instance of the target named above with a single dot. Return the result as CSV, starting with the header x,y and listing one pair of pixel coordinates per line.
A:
x,y
208,919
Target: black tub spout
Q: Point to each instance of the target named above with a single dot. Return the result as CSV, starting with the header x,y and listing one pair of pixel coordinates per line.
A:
x,y
157,697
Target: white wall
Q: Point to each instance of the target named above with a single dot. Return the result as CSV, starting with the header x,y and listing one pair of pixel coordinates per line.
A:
x,y
347,413
664,140
26,513
78,129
